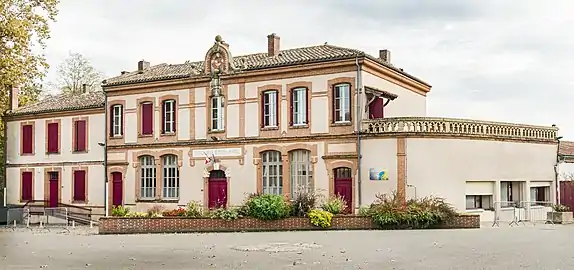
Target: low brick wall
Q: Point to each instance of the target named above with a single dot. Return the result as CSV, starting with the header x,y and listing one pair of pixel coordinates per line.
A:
x,y
116,225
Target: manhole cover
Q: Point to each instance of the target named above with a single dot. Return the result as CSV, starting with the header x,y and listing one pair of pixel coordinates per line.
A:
x,y
278,247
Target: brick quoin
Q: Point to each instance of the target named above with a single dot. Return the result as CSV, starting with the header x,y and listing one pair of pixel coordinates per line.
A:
x,y
115,225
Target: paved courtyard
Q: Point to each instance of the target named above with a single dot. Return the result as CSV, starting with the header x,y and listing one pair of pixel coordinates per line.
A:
x,y
526,247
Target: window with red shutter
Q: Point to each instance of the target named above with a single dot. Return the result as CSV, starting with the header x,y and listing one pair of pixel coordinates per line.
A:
x,y
147,118
80,133
53,138
27,186
27,139
80,186
376,108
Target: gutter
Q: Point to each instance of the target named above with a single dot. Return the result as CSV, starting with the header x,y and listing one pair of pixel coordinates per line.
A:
x,y
358,120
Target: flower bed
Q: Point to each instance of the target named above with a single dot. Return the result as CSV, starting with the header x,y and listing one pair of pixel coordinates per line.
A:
x,y
120,225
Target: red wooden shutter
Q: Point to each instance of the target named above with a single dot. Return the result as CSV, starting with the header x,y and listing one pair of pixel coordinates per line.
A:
x,y
163,111
53,139
27,186
147,118
174,115
350,102
307,106
376,108
111,115
277,102
80,186
333,102
27,137
80,135
262,97
292,93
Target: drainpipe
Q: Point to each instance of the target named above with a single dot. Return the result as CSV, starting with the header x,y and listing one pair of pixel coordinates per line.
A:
x,y
556,170
358,120
5,153
106,132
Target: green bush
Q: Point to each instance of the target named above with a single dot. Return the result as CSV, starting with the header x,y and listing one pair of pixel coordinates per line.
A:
x,y
138,215
560,208
193,209
268,207
364,211
225,213
320,218
244,208
304,200
335,205
429,212
155,211
120,211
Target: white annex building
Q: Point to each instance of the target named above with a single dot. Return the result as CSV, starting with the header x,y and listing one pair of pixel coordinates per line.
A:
x,y
325,117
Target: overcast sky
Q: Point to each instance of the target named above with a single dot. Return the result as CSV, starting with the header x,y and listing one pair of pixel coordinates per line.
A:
x,y
501,60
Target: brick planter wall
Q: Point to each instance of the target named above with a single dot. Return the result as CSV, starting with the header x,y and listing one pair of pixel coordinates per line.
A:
x,y
116,225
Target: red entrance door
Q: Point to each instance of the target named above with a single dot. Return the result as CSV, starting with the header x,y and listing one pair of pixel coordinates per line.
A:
x,y
344,186
217,189
117,189
54,189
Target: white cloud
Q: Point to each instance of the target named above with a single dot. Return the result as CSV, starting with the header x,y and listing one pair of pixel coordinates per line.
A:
x,y
494,59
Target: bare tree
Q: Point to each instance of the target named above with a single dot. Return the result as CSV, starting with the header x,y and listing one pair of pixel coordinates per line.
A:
x,y
76,71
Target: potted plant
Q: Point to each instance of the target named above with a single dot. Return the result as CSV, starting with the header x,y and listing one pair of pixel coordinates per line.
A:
x,y
561,214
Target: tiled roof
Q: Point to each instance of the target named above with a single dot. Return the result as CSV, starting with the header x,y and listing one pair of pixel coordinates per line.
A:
x,y
256,61
566,148
63,103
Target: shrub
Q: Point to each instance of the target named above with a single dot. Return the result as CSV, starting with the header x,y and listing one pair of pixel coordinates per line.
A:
x,y
429,212
244,209
364,211
320,218
179,212
225,213
268,207
138,215
560,208
155,211
193,209
120,211
335,205
304,200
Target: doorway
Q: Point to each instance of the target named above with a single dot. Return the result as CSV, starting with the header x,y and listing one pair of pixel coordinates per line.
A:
x,y
217,189
117,189
344,186
54,186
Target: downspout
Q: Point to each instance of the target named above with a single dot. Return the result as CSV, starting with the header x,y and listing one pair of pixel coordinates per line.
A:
x,y
358,122
556,171
106,132
5,153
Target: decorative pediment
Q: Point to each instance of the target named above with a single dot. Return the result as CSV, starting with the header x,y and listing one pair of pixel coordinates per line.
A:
x,y
218,58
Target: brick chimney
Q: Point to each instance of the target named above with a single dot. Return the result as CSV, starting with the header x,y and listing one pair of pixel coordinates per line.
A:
x,y
143,65
14,94
385,55
273,42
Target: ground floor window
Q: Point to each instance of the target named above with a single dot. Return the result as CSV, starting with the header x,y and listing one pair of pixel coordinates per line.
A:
x,y
539,195
479,202
510,193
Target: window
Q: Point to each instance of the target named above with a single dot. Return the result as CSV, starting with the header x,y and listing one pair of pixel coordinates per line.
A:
x,y
53,138
270,109
146,111
116,120
168,114
27,139
342,103
540,195
272,178
80,135
217,113
170,177
299,106
79,186
147,177
376,108
301,170
27,186
478,201
510,193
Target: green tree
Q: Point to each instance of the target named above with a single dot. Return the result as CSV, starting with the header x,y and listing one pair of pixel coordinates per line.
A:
x,y
76,71
24,29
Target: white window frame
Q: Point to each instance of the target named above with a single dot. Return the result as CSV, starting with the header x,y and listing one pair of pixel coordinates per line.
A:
x,y
485,202
117,115
270,108
301,170
148,181
272,172
343,91
299,102
168,116
170,177
217,114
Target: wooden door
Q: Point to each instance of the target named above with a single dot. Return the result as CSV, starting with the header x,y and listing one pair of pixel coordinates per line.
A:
x,y
344,186
54,189
217,189
117,189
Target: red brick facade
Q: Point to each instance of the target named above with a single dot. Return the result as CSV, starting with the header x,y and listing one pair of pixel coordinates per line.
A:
x,y
114,225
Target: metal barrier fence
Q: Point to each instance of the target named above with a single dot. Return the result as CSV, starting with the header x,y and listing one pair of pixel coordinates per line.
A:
x,y
516,213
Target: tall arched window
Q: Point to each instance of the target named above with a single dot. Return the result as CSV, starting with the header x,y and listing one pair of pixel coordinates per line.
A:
x,y
301,170
272,178
170,177
147,177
